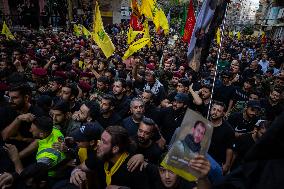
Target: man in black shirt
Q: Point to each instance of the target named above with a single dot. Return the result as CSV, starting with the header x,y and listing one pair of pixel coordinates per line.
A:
x,y
145,143
222,137
108,116
122,101
205,94
243,122
111,162
149,82
151,109
172,117
273,105
69,93
225,92
246,141
132,122
21,117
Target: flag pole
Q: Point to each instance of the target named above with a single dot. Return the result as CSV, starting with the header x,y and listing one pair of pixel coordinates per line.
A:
x,y
218,57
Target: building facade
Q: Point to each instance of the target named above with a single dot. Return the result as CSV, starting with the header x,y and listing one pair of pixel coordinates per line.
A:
x,y
270,18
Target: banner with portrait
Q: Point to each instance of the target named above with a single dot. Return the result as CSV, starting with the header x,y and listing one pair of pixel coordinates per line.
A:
x,y
192,138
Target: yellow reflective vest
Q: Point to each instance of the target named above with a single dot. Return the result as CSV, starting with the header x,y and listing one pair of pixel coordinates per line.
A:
x,y
45,151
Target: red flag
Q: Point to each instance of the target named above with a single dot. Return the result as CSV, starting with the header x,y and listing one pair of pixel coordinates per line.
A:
x,y
135,23
135,17
190,23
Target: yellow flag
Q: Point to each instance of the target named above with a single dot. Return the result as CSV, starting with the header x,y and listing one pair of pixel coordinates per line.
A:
x,y
135,47
146,8
100,36
77,30
146,32
151,10
262,34
7,32
131,34
218,36
239,35
163,21
85,32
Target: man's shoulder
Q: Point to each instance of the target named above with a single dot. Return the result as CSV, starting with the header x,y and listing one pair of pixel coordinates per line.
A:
x,y
127,120
227,126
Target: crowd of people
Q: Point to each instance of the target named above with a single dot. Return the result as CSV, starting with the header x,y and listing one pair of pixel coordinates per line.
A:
x,y
70,118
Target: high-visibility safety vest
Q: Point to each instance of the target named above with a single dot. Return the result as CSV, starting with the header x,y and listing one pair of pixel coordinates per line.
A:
x,y
45,150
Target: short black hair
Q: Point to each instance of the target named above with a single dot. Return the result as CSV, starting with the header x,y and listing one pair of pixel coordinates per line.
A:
x,y
111,71
94,109
184,81
110,98
74,89
122,81
103,79
148,121
23,89
149,92
61,106
43,123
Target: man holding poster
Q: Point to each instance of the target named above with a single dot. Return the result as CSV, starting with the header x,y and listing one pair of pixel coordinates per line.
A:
x,y
192,139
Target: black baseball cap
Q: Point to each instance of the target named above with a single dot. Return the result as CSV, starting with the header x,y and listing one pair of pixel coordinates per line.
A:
x,y
87,132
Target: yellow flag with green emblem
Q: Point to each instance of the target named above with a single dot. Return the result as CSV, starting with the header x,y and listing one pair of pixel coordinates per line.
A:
x,y
85,32
151,10
134,47
100,36
77,30
6,31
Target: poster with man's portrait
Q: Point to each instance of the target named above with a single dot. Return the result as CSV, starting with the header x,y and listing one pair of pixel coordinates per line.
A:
x,y
191,139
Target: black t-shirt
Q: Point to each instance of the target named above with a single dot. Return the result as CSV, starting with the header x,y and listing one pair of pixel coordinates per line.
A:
x,y
241,125
151,154
169,121
122,106
151,111
240,95
272,111
130,126
224,94
24,127
122,177
241,147
114,119
222,139
156,183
